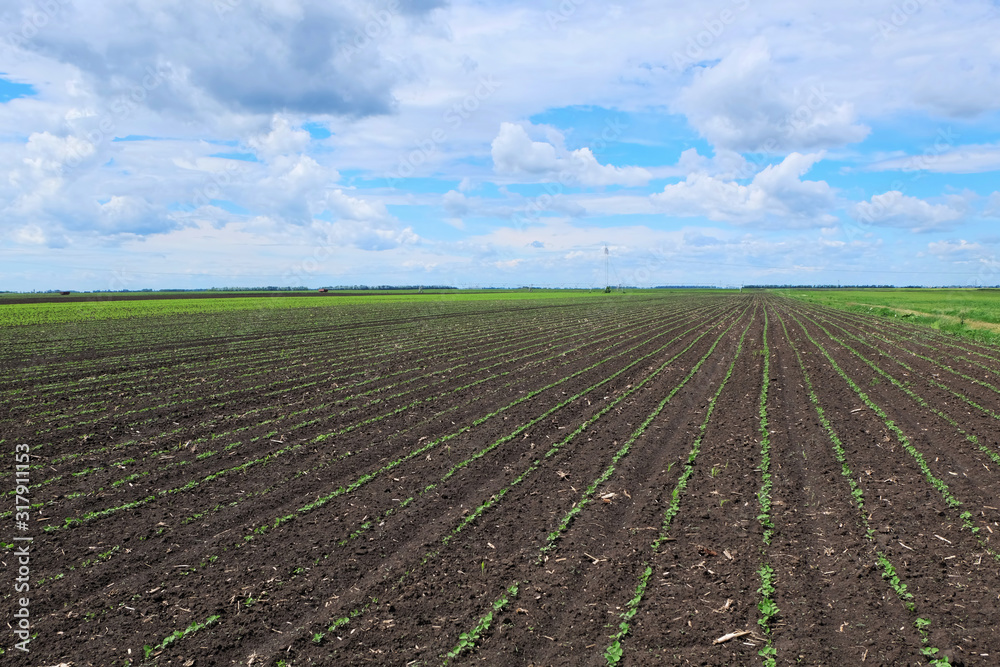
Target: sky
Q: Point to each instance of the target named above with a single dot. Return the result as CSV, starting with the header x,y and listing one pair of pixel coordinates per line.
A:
x,y
176,144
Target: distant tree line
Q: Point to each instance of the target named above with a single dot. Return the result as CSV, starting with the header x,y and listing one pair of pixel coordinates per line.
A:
x,y
387,287
687,287
863,287
822,286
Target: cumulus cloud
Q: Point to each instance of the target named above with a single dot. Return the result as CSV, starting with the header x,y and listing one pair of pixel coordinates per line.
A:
x,y
741,104
282,139
776,193
368,235
47,154
353,208
894,209
725,164
515,153
265,57
130,214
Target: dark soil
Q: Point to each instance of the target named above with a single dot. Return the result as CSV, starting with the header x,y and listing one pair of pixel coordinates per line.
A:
x,y
360,411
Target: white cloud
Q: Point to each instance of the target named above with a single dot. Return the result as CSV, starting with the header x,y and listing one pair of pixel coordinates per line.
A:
x,y
255,56
30,235
130,214
992,209
725,164
47,154
283,139
456,203
894,209
955,250
742,104
516,154
775,194
943,159
353,208
367,235
200,83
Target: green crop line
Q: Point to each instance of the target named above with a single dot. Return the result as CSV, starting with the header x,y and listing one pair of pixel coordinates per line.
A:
x,y
321,501
467,640
614,651
857,493
888,570
177,635
201,388
216,447
622,452
688,469
431,555
768,608
916,398
493,500
364,479
764,495
90,516
994,456
865,324
199,370
449,391
769,613
279,520
951,370
297,426
937,483
939,311
965,516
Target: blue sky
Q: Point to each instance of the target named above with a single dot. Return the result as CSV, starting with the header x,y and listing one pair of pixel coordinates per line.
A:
x,y
294,142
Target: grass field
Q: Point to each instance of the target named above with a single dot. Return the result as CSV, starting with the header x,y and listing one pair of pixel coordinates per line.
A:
x,y
971,313
121,306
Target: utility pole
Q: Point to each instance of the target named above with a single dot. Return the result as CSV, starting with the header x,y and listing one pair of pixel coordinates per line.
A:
x,y
607,260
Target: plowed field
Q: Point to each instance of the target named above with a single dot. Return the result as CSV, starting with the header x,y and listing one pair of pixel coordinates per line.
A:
x,y
717,479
